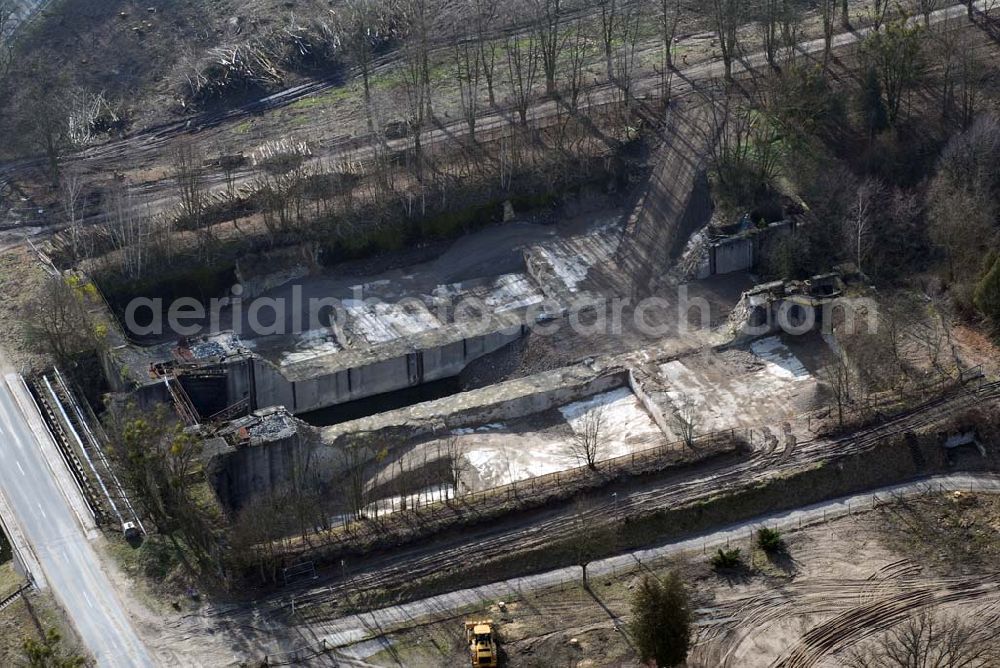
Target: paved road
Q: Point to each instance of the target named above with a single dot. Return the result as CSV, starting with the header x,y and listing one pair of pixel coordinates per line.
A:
x,y
58,532
361,635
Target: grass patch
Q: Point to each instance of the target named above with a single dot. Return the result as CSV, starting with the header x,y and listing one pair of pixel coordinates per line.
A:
x,y
10,580
328,97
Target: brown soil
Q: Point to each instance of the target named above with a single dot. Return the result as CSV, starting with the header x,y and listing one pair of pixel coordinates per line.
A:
x,y
749,618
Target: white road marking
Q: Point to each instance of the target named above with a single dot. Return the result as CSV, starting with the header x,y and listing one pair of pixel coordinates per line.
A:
x,y
19,467
42,510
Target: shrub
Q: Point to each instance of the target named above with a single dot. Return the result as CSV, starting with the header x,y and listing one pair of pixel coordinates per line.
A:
x,y
728,559
770,540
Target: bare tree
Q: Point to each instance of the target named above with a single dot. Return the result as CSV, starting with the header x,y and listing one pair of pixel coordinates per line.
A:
x,y
837,377
467,70
859,225
727,15
626,38
925,8
418,16
129,230
587,444
609,21
928,639
828,14
355,457
768,17
71,199
458,464
790,28
670,15
962,198
189,174
42,110
359,25
522,71
669,19
685,418
550,38
579,52
485,16
591,538
877,13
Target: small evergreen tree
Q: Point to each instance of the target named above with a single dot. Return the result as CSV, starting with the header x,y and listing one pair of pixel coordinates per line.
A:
x,y
770,540
876,116
727,560
661,621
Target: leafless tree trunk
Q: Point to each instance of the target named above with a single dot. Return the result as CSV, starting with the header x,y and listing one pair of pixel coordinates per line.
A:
x,y
587,445
790,21
925,8
727,15
768,22
70,196
130,232
550,38
189,175
828,13
877,14
467,71
837,377
358,19
458,465
522,72
485,17
685,419
419,16
627,36
609,21
859,225
416,92
579,52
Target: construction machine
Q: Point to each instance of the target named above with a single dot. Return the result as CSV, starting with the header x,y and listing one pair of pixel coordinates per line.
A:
x,y
482,643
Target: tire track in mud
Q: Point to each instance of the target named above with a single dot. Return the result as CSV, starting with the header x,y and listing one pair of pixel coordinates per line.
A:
x,y
452,555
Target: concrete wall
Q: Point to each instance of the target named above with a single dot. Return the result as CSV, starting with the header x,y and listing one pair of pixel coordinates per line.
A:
x,y
654,411
743,252
241,474
265,384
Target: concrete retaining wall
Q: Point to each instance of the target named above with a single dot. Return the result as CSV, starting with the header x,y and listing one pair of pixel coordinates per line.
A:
x,y
240,474
741,253
266,385
654,411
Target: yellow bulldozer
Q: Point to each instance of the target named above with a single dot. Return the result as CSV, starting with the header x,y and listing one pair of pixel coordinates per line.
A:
x,y
482,643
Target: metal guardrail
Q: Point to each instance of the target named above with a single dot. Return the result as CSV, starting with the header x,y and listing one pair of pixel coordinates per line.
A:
x,y
42,396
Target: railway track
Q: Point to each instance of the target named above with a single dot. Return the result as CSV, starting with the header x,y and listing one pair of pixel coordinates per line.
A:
x,y
80,439
452,554
152,143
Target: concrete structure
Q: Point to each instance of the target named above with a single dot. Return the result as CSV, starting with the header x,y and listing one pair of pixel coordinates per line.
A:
x,y
389,332
771,307
741,251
